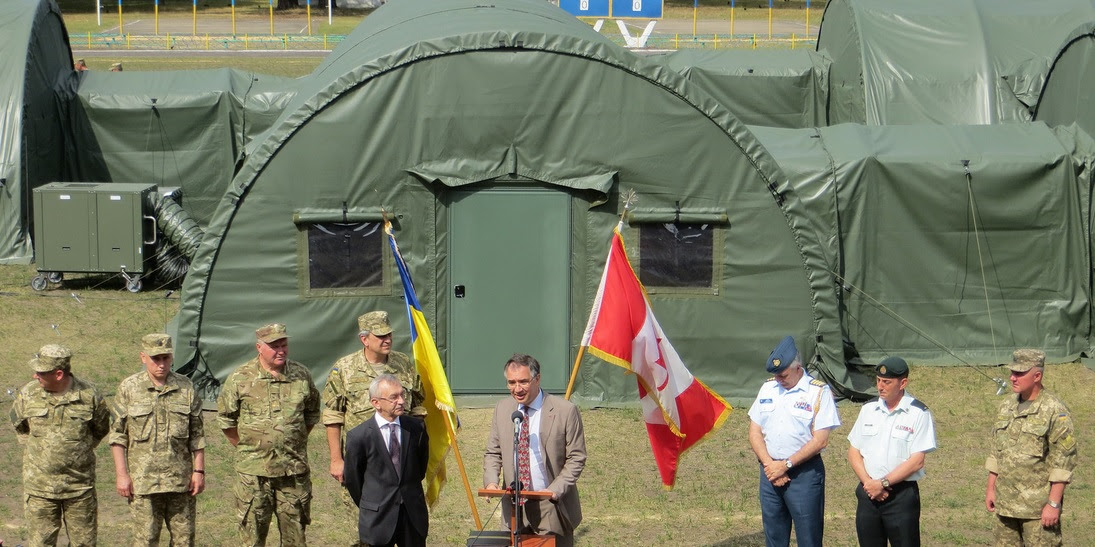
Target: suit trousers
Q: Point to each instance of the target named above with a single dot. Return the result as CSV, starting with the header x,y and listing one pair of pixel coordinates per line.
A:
x,y
895,520
405,534
801,502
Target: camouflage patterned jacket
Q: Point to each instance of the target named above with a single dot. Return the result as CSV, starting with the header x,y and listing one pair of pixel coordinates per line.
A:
x,y
1031,448
59,434
346,394
273,414
161,428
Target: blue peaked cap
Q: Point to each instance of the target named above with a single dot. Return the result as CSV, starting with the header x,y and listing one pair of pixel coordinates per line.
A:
x,y
782,356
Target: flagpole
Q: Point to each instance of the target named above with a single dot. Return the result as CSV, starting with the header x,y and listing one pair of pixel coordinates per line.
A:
x,y
463,472
574,371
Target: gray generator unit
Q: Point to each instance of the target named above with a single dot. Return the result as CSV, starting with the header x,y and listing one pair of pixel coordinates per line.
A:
x,y
93,227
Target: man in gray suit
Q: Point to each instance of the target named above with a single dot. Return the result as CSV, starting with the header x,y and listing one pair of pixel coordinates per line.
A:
x,y
553,438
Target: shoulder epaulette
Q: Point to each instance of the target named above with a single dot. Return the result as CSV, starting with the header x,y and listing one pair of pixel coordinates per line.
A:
x,y
818,383
919,404
772,379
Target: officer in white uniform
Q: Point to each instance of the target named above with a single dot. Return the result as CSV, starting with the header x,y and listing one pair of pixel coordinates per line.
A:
x,y
888,444
789,426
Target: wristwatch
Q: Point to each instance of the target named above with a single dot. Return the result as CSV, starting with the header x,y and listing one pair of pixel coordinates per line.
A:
x,y
885,482
1053,504
789,464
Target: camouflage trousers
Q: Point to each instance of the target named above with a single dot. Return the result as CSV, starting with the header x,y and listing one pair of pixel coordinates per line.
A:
x,y
150,513
44,516
259,499
1012,532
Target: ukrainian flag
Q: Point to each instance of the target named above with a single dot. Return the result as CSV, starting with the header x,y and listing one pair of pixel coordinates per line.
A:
x,y
439,403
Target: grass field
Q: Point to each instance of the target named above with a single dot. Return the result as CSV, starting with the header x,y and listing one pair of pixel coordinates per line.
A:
x,y
714,503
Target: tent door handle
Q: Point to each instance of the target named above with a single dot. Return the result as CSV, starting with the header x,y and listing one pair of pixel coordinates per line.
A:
x,y
458,291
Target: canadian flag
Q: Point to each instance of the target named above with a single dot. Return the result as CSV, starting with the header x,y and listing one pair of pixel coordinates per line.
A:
x,y
679,409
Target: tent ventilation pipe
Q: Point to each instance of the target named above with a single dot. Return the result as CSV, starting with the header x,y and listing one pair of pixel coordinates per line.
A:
x,y
178,228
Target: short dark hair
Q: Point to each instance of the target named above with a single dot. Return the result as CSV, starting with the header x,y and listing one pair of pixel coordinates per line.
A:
x,y
522,360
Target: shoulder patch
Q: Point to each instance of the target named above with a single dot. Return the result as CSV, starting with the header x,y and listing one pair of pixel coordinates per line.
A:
x,y
818,383
919,404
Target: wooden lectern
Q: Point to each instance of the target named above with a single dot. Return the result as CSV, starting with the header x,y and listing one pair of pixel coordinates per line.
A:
x,y
500,538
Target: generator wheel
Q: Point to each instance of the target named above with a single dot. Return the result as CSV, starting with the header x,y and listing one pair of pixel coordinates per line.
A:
x,y
55,277
38,283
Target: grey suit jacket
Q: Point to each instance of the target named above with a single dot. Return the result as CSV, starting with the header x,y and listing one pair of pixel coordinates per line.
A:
x,y
563,445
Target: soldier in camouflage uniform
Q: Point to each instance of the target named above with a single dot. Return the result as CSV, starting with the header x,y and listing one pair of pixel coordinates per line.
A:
x,y
1033,455
266,408
59,419
346,394
158,444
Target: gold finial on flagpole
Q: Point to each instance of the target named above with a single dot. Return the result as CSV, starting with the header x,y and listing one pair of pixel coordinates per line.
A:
x,y
629,197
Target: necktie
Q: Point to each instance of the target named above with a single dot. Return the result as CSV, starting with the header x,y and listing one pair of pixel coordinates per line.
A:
x,y
524,471
393,446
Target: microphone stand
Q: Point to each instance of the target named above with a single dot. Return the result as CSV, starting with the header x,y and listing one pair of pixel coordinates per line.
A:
x,y
516,538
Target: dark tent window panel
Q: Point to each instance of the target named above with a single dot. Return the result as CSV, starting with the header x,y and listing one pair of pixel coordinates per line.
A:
x,y
345,255
676,255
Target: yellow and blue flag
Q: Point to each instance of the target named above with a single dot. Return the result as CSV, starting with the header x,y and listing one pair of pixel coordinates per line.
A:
x,y
439,402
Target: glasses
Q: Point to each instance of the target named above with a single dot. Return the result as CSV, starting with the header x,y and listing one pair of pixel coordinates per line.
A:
x,y
394,399
519,383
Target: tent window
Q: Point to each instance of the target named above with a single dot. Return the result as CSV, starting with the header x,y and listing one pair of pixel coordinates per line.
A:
x,y
345,255
677,256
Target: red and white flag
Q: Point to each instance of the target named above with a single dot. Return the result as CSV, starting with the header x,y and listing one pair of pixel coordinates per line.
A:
x,y
679,409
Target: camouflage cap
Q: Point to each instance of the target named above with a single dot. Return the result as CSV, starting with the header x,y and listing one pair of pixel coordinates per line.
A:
x,y
1023,360
375,322
271,333
52,357
157,344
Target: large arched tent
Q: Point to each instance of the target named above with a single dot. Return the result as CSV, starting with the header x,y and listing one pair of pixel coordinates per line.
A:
x,y
500,138
942,61
35,62
952,243
1068,92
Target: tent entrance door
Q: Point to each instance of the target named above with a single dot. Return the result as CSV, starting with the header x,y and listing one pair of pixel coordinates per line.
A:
x,y
509,290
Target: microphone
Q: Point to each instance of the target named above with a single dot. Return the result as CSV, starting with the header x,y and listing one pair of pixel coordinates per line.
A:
x,y
517,418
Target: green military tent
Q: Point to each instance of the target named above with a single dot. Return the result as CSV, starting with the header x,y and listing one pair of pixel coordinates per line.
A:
x,y
942,61
1067,95
499,139
773,88
33,70
950,244
184,129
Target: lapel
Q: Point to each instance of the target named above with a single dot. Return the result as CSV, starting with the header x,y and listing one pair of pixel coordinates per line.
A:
x,y
547,429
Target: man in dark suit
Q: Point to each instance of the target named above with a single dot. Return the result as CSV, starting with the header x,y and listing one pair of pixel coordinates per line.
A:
x,y
556,452
384,473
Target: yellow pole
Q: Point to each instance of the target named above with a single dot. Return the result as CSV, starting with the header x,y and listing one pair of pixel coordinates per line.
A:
x,y
156,18
233,18
308,10
128,45
194,32
769,20
325,41
732,10
792,40
754,40
716,41
463,472
285,39
676,41
695,14
807,20
574,372
245,44
89,39
271,17
120,25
